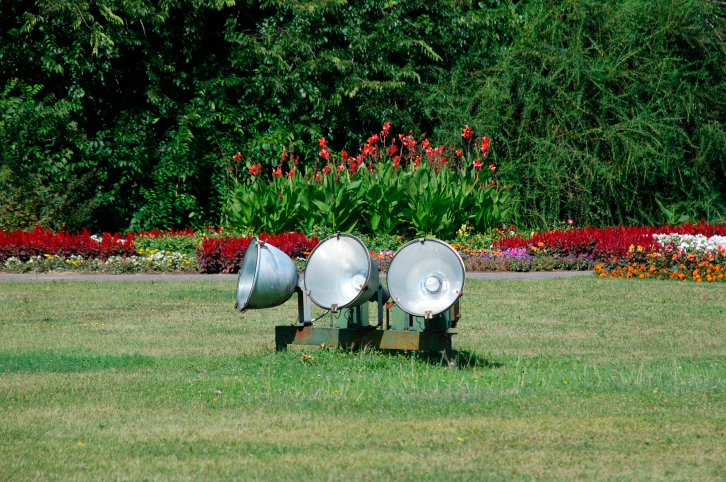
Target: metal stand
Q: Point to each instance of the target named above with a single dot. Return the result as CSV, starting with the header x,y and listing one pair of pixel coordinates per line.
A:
x,y
436,341
350,328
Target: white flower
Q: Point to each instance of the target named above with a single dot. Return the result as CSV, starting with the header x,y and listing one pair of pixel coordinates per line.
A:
x,y
691,243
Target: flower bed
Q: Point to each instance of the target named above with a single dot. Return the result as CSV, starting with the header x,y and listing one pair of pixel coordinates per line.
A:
x,y
606,243
211,251
682,252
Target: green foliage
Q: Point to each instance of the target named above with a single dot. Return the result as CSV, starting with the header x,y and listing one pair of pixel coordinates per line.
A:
x,y
373,193
39,184
596,108
186,243
599,108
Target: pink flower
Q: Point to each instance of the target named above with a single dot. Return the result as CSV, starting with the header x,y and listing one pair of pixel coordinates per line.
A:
x,y
492,167
217,392
569,221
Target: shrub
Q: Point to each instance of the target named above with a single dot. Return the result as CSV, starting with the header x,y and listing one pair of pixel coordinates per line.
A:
x,y
394,186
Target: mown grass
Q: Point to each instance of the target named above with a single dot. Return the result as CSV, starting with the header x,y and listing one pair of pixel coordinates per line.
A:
x,y
562,378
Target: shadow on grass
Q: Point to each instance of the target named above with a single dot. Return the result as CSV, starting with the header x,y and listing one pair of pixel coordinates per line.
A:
x,y
52,362
465,360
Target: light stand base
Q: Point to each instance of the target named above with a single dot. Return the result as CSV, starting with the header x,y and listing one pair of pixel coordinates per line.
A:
x,y
437,341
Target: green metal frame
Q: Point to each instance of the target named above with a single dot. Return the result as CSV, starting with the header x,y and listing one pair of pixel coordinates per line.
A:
x,y
396,329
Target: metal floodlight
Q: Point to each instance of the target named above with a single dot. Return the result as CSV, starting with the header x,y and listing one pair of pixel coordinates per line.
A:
x,y
268,277
426,277
340,273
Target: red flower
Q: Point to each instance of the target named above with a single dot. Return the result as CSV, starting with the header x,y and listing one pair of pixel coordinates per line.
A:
x,y
425,143
373,139
386,128
416,162
277,172
490,184
485,145
458,152
324,153
317,176
341,168
237,157
396,161
321,141
344,156
291,173
353,167
392,150
284,156
327,169
492,167
256,169
477,163
467,133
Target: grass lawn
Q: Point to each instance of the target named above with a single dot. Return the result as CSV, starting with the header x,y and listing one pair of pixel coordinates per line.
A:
x,y
567,378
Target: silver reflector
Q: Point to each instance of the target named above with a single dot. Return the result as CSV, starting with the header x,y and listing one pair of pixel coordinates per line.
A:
x,y
340,273
426,277
267,277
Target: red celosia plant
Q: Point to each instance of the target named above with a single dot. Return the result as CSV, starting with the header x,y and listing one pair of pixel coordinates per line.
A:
x,y
224,255
38,242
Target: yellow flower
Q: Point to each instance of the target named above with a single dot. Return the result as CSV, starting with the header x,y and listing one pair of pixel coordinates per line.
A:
x,y
565,383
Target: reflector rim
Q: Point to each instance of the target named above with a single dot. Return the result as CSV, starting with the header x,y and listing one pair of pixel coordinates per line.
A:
x,y
418,240
310,256
254,240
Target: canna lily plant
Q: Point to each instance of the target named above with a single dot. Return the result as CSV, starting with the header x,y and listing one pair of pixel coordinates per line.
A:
x,y
395,185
